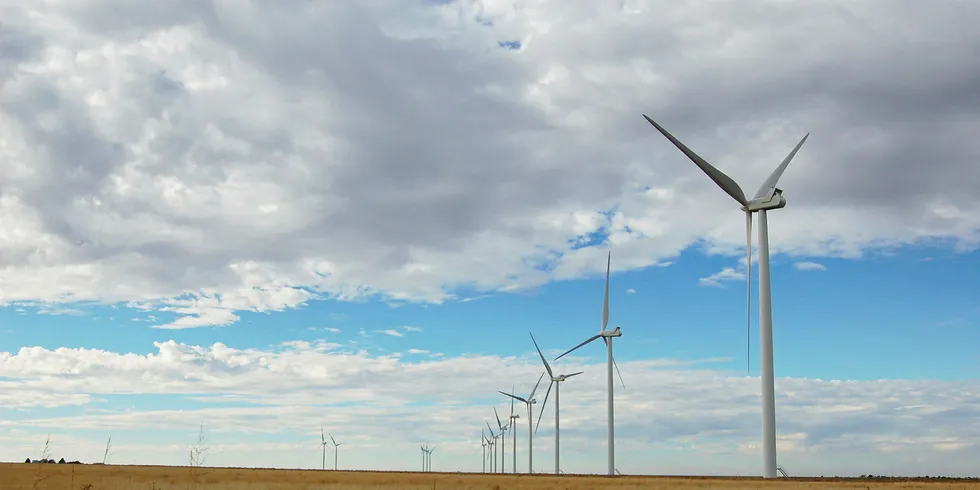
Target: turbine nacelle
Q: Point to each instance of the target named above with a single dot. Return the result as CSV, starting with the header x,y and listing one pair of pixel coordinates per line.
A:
x,y
772,200
616,332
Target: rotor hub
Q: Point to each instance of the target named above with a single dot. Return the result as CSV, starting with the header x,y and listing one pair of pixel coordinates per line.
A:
x,y
773,200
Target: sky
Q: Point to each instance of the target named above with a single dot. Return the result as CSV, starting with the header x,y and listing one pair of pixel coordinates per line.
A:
x,y
270,217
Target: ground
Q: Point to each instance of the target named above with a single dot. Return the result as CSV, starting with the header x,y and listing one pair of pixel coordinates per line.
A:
x,y
16,476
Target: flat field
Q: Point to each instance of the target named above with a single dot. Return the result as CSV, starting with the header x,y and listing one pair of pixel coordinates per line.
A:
x,y
17,476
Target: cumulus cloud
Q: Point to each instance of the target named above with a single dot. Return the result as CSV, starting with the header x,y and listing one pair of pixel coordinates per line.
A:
x,y
251,397
421,158
631,291
392,332
726,274
809,266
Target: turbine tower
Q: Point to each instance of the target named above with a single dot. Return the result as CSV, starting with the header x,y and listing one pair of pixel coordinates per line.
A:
x,y
493,449
323,445
513,432
422,449
768,197
483,443
335,450
530,416
428,458
503,441
607,337
554,381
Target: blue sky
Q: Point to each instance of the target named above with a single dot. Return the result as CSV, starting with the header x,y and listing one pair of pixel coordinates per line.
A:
x,y
365,244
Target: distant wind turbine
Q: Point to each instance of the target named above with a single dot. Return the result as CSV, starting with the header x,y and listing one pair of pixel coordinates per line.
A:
x,y
323,445
493,449
513,433
503,441
607,337
554,381
529,401
767,198
483,443
336,451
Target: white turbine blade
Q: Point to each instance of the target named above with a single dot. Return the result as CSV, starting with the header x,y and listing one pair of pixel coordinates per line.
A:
x,y
725,182
499,425
332,439
605,301
488,426
546,366
615,365
533,391
322,439
577,346
541,410
512,388
748,290
514,397
573,374
776,174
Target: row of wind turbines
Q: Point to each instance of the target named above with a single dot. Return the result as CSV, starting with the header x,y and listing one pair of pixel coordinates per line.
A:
x,y
767,198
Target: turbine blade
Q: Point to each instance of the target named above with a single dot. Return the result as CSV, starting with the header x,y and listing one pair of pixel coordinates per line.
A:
x,y
615,365
541,410
488,427
577,346
725,182
573,374
748,290
533,391
332,439
512,388
605,302
546,366
513,396
776,174
499,425
322,439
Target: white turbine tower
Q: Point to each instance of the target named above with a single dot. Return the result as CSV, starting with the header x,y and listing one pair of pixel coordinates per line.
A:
x,y
335,450
530,416
554,381
513,432
493,449
768,197
483,443
323,445
503,441
607,337
428,458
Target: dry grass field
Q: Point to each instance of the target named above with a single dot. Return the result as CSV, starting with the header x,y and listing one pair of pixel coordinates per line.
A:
x,y
17,476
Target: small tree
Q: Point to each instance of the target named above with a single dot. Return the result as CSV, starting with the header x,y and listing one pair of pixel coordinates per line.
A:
x,y
196,455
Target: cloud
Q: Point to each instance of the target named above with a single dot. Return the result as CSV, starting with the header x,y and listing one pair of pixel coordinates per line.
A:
x,y
393,333
693,411
417,351
809,266
630,291
131,171
411,329
726,274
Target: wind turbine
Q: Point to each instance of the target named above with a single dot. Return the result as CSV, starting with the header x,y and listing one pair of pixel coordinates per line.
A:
x,y
513,432
554,381
607,337
335,450
768,197
483,443
503,441
493,450
530,415
323,444
428,464
422,449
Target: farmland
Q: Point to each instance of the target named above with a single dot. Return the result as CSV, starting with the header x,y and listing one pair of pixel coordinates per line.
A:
x,y
16,476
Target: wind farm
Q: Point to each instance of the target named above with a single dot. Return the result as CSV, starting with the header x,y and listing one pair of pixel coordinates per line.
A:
x,y
489,244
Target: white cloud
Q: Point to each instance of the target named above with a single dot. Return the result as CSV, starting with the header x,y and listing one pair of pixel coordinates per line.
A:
x,y
808,266
130,167
393,333
700,419
630,291
411,329
726,274
417,351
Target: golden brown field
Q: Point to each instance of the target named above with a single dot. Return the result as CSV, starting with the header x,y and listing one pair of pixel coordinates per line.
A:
x,y
16,476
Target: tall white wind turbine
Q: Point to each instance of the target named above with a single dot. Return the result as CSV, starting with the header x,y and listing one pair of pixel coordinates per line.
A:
x,y
335,450
607,337
323,445
768,197
493,449
483,443
554,381
529,401
503,441
513,432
